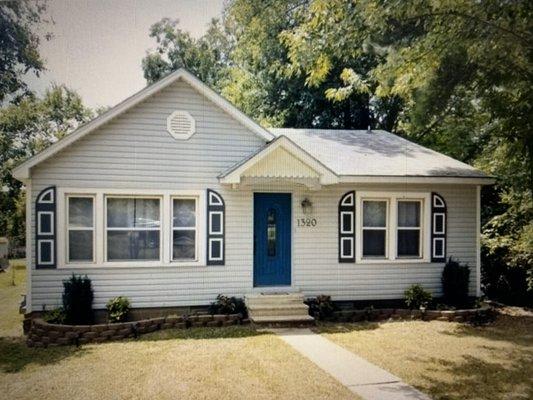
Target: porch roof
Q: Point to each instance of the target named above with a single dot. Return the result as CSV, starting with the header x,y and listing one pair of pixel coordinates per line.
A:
x,y
338,156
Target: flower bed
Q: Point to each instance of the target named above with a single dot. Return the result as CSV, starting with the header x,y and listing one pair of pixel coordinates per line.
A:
x,y
44,334
371,314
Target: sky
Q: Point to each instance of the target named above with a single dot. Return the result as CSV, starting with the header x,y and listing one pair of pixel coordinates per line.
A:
x,y
98,45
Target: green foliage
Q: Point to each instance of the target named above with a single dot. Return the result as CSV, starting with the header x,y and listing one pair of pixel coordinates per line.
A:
x,y
19,46
55,316
118,309
416,296
25,129
321,307
78,300
228,305
455,280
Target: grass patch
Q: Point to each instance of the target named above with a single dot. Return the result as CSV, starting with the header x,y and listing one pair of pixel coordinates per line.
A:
x,y
449,360
10,297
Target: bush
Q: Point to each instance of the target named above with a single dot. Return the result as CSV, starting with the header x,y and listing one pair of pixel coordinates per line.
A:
x,y
118,309
321,308
455,279
78,300
416,296
228,305
55,316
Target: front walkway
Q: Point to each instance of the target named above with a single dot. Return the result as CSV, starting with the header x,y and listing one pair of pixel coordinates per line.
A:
x,y
361,377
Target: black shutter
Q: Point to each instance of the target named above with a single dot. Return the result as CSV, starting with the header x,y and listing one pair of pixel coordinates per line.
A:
x,y
438,228
216,229
347,228
46,228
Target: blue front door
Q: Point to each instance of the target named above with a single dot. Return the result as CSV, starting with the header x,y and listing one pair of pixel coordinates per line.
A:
x,y
272,239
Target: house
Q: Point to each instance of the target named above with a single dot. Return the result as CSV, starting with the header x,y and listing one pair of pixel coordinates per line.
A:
x,y
174,196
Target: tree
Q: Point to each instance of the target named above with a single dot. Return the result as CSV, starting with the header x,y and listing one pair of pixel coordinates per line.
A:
x,y
19,46
25,129
205,57
463,72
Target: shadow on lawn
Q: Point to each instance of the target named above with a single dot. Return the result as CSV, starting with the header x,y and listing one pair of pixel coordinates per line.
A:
x,y
345,327
15,355
474,377
507,328
204,333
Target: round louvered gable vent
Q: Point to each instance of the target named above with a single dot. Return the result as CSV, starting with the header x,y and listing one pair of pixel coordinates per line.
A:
x,y
181,125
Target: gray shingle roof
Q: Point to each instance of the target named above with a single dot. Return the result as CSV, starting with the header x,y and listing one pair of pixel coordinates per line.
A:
x,y
375,153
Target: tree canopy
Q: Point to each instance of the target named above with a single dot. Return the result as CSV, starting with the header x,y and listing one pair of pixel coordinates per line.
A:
x,y
452,75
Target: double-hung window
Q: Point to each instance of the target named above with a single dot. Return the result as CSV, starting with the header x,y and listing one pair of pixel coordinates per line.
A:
x,y
409,228
184,230
393,226
133,228
374,228
80,229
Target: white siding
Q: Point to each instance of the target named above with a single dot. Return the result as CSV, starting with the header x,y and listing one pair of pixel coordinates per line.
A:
x,y
135,152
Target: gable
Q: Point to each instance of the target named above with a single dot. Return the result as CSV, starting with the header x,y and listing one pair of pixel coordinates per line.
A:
x,y
23,171
136,147
280,164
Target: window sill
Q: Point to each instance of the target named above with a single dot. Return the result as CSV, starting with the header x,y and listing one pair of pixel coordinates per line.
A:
x,y
127,264
395,261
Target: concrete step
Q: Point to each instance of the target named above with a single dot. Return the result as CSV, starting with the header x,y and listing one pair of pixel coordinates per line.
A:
x,y
269,299
266,310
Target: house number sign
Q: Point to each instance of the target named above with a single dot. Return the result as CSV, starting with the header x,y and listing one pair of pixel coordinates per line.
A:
x,y
304,222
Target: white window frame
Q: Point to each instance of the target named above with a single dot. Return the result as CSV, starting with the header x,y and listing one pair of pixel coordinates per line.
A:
x,y
100,223
419,228
376,228
392,198
68,228
195,228
129,229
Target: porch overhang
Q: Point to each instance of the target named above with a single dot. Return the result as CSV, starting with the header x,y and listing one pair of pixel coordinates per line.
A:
x,y
281,161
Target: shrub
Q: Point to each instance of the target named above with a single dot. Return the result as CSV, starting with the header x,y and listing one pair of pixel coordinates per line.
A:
x,y
416,296
455,279
55,316
118,309
78,300
321,308
228,305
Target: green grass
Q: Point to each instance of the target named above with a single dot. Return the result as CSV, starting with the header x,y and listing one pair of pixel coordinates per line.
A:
x,y
12,286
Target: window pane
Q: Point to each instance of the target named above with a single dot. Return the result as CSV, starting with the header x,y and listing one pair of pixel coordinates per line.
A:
x,y
80,245
184,213
80,212
374,213
271,233
408,213
131,212
374,243
409,243
132,245
183,246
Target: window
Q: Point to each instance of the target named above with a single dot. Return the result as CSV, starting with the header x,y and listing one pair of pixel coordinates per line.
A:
x,y
374,228
271,233
409,228
80,229
133,228
184,229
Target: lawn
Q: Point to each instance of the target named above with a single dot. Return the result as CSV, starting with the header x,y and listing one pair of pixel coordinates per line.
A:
x,y
225,363
450,360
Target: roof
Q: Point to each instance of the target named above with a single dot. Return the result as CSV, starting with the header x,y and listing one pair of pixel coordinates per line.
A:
x,y
22,171
376,153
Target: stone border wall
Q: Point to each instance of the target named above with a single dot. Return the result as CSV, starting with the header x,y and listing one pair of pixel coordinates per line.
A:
x,y
399,313
44,334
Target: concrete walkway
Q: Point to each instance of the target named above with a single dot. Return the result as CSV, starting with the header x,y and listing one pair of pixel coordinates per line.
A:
x,y
361,377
